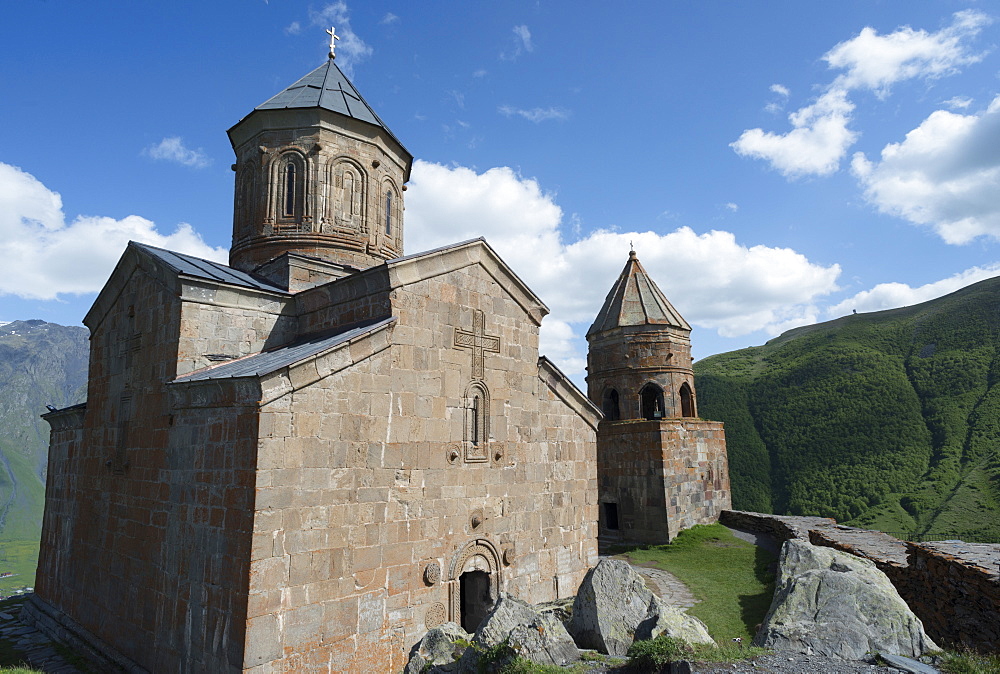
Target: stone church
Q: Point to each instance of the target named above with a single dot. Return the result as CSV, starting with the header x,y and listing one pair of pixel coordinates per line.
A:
x,y
305,459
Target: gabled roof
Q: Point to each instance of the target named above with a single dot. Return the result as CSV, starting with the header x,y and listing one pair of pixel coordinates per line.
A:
x,y
206,269
328,88
265,362
635,300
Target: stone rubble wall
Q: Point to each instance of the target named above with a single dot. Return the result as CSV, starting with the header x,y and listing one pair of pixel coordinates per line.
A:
x,y
952,586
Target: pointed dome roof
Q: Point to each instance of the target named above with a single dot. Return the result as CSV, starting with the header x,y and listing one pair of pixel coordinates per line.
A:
x,y
328,88
635,300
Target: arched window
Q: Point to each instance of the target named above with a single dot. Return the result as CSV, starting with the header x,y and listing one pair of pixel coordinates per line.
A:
x,y
476,430
477,424
388,212
289,190
687,401
609,405
651,401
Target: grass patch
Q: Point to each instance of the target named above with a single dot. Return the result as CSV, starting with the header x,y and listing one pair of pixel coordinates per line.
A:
x,y
970,662
729,576
653,654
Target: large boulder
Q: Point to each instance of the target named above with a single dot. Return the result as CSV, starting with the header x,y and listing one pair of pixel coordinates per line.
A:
x,y
831,603
439,650
528,632
614,608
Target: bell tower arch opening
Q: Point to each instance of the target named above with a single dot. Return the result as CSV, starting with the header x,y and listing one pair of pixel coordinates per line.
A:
x,y
687,401
610,405
651,402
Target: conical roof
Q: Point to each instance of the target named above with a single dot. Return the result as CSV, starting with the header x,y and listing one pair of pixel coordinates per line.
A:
x,y
328,88
635,300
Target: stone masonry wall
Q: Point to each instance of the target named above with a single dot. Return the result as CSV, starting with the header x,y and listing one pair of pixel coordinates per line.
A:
x,y
224,323
952,586
664,476
371,500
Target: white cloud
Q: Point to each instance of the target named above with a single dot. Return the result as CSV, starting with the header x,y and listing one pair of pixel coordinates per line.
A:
x,y
820,137
732,207
350,49
45,257
713,280
893,295
173,149
294,28
522,43
479,73
781,90
958,102
535,115
523,37
944,175
876,62
815,145
389,18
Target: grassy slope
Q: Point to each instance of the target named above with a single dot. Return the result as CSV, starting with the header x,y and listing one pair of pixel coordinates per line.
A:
x,y
40,363
729,577
22,524
889,419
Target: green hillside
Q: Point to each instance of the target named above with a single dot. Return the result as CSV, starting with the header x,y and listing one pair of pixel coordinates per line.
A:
x,y
889,420
40,364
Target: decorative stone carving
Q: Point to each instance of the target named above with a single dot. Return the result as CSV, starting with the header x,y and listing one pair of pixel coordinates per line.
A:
x,y
477,518
432,573
478,342
436,615
509,555
454,454
497,449
479,554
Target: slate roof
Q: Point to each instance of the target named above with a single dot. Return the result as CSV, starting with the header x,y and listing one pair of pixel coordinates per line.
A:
x,y
206,269
328,88
636,300
266,362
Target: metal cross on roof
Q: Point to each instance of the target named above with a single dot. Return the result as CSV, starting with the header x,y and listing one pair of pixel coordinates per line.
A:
x,y
333,37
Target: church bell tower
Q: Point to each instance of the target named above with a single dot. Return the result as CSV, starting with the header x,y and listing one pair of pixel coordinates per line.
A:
x,y
319,183
660,469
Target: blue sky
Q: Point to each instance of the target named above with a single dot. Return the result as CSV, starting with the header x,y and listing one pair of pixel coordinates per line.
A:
x,y
774,163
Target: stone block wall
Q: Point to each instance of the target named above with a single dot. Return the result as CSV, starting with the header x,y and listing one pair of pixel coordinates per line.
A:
x,y
219,324
371,501
663,476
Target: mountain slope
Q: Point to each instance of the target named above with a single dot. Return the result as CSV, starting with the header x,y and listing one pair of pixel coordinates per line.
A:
x,y
889,419
40,364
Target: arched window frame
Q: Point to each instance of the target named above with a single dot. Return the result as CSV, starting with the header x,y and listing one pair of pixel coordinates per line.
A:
x,y
347,216
391,210
477,414
289,191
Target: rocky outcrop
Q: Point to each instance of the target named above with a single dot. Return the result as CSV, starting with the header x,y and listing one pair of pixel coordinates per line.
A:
x,y
614,607
530,633
834,604
438,650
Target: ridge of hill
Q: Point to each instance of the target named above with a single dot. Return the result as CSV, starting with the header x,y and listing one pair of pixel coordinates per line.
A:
x,y
888,420
40,364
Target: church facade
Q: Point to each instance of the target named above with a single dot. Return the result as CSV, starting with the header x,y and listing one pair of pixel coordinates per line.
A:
x,y
303,460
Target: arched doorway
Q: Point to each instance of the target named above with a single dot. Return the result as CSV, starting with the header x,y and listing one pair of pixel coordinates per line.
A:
x,y
474,583
475,601
651,401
